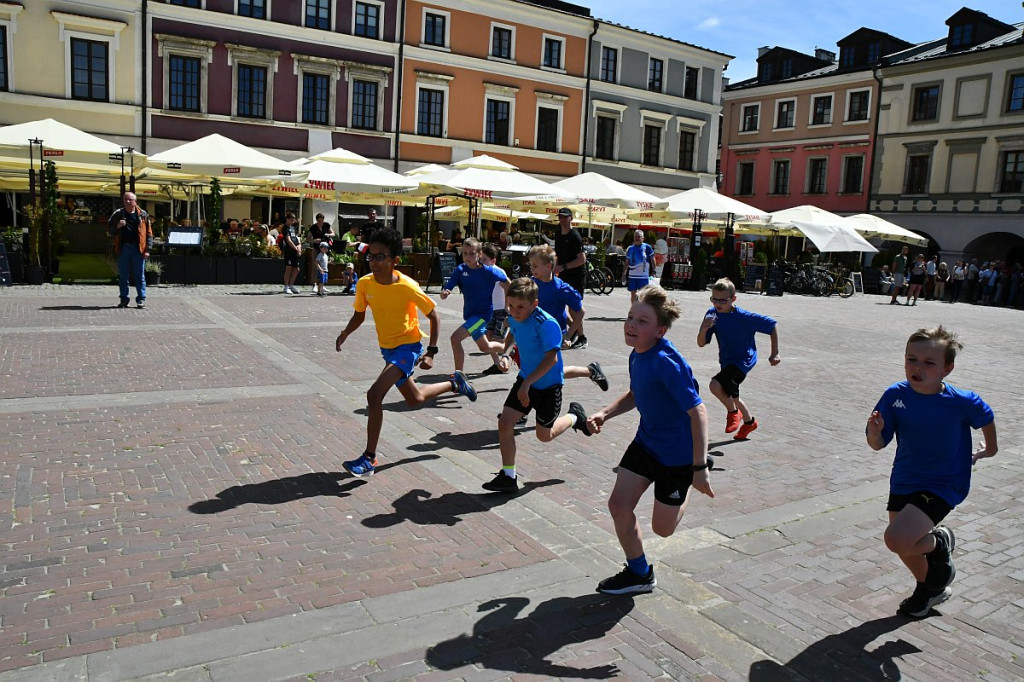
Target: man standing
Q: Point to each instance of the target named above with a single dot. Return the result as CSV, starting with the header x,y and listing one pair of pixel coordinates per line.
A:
x,y
640,260
133,239
899,273
291,249
571,265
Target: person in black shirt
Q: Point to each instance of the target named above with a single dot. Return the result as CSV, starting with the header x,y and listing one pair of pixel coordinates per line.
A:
x,y
572,262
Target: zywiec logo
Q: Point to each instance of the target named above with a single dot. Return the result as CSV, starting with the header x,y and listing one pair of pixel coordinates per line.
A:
x,y
53,152
232,170
899,404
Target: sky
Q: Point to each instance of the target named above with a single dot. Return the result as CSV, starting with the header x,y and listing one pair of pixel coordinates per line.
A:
x,y
739,27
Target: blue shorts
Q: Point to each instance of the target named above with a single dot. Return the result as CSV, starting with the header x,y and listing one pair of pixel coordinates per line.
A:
x,y
476,326
637,283
403,357
323,278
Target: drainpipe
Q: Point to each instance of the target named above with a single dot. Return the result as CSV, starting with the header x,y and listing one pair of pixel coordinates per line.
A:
x,y
877,75
398,84
586,99
145,73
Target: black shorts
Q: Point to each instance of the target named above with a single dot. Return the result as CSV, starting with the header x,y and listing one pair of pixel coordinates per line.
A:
x,y
291,259
931,504
730,379
917,279
671,484
546,401
575,278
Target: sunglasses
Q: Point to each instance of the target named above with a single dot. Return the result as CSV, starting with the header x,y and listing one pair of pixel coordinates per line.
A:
x,y
377,257
719,300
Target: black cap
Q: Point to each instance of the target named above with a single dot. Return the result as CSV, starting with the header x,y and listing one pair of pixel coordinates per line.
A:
x,y
565,211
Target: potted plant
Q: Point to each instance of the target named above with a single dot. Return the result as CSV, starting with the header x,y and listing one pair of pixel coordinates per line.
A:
x,y
154,269
33,260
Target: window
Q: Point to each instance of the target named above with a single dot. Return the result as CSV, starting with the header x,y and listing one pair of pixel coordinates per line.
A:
x,y
652,145
926,103
785,116
4,83
687,149
430,117
766,71
874,52
787,67
745,178
1015,98
497,122
185,3
435,28
751,113
822,110
655,71
853,175
252,91
780,172
553,53
858,105
89,70
604,147
961,35
367,22
318,14
1013,173
501,42
547,129
817,176
185,86
917,174
690,86
256,9
364,104
316,89
609,63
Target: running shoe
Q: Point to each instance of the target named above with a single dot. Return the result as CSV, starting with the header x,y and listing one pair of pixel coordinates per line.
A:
x,y
920,603
732,421
502,484
941,570
365,465
745,430
597,376
462,386
628,582
581,418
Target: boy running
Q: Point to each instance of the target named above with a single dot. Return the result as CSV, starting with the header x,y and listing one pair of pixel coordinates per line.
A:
x,y
395,299
670,448
477,282
497,328
737,354
538,385
931,473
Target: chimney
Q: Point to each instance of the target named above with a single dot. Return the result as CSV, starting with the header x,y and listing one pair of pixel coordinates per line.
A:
x,y
762,50
824,55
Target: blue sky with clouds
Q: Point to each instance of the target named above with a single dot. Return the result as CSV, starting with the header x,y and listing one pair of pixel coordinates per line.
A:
x,y
739,27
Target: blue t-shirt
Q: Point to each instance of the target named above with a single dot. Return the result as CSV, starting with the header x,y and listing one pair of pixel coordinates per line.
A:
x,y
638,258
537,335
477,285
554,296
735,332
933,439
664,389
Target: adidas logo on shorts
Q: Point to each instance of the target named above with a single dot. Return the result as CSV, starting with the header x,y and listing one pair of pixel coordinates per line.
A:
x,y
675,495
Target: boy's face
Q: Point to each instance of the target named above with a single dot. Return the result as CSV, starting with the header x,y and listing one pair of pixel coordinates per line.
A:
x,y
382,263
925,366
470,256
541,269
722,301
484,259
520,308
641,327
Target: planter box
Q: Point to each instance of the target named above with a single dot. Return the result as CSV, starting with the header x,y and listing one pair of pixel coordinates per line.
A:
x,y
226,269
259,270
192,269
406,270
421,263
335,273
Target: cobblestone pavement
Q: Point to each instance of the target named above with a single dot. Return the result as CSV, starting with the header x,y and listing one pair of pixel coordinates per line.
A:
x,y
173,503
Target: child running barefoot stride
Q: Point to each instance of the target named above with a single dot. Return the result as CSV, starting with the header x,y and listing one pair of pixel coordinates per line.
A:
x,y
538,385
737,354
931,473
395,299
670,448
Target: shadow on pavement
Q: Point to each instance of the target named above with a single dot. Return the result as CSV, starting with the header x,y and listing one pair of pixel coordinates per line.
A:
x,y
502,641
422,508
79,307
471,441
290,488
843,657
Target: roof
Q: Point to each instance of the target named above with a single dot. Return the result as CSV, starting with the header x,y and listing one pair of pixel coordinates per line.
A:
x,y
671,40
938,48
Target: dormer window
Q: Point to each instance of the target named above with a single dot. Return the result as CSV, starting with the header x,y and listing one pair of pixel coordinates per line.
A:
x,y
874,52
961,35
767,71
787,68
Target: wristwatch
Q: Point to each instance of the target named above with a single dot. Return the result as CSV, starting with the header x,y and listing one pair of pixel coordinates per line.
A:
x,y
431,351
709,464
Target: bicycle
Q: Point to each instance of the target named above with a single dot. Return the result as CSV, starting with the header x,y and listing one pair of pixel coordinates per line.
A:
x,y
599,280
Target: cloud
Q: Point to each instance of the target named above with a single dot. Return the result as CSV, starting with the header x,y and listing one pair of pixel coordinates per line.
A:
x,y
710,22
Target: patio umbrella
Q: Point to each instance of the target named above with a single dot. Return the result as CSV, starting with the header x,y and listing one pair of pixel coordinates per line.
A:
x,y
871,226
341,171
61,143
826,230
714,205
485,177
216,156
596,189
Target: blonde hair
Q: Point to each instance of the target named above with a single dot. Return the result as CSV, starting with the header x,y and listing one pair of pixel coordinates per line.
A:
x,y
725,284
523,288
666,309
544,252
941,336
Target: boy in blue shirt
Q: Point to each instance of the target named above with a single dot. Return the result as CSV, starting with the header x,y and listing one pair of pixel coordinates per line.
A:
x,y
477,283
670,448
931,473
737,354
539,383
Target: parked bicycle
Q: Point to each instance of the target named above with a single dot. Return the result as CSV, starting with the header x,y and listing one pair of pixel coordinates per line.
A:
x,y
599,280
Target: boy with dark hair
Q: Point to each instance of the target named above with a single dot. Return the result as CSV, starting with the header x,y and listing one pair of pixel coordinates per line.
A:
x,y
395,299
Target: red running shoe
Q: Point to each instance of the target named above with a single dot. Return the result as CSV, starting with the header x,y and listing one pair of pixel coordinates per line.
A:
x,y
732,421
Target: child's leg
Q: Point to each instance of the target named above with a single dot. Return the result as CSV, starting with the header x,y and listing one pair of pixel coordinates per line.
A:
x,y
723,397
742,407
492,348
375,404
909,536
576,372
417,394
458,354
507,435
629,488
667,517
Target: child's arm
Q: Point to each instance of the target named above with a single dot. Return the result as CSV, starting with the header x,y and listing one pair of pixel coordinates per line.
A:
x,y
427,360
991,445
505,359
550,358
446,290
699,432
703,335
774,358
353,324
624,403
876,424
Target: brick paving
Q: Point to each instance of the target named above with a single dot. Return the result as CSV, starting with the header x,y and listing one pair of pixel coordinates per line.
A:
x,y
171,482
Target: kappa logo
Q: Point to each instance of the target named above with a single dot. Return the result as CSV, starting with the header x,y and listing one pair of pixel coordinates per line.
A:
x,y
899,404
674,496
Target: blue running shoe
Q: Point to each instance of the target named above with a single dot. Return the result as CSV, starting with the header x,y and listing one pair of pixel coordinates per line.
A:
x,y
462,386
364,466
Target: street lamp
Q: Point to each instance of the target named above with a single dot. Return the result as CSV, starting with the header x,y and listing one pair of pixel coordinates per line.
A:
x,y
32,143
128,185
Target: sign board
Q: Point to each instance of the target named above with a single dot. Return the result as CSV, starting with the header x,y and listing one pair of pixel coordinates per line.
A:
x,y
858,282
444,266
775,281
5,267
185,236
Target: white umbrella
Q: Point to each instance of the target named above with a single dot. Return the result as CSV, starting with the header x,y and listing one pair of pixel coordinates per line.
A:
x,y
61,143
485,177
826,230
596,189
871,226
714,205
340,170
216,156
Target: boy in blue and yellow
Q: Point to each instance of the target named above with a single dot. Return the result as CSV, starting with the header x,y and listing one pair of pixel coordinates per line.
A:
x,y
931,473
395,300
539,383
477,282
737,353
